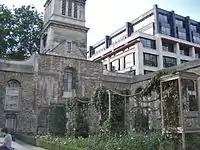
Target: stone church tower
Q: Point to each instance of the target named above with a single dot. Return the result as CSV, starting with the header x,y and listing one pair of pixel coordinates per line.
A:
x,y
64,31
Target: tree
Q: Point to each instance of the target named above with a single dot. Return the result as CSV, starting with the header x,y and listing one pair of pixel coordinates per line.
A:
x,y
19,31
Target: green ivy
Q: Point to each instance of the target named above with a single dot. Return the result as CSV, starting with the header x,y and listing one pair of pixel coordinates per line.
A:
x,y
57,120
116,124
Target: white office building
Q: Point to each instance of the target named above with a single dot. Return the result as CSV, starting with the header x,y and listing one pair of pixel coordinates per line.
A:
x,y
157,39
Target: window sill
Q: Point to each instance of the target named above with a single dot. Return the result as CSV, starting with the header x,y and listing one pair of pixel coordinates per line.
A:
x,y
69,94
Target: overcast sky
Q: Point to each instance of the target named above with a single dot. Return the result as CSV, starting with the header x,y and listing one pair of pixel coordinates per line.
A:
x,y
105,16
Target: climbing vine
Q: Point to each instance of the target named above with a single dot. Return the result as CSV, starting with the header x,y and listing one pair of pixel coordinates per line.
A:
x,y
77,120
116,124
171,106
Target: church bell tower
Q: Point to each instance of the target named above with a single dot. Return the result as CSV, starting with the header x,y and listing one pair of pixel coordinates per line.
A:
x,y
64,32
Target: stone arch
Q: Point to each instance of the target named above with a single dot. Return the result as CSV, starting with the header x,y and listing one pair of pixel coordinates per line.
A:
x,y
12,103
12,95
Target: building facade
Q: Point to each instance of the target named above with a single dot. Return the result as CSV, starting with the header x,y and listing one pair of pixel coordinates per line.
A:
x,y
61,71
157,39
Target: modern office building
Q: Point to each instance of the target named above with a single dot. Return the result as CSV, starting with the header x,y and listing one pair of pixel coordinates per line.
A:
x,y
157,39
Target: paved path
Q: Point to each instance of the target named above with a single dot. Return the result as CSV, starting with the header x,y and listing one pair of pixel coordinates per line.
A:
x,y
18,145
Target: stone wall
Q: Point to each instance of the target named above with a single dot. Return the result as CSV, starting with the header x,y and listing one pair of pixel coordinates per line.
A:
x,y
26,117
50,81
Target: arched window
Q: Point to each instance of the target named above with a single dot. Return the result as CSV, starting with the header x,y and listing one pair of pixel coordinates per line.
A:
x,y
68,80
12,96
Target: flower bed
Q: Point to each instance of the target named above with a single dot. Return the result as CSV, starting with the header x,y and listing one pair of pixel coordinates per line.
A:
x,y
126,142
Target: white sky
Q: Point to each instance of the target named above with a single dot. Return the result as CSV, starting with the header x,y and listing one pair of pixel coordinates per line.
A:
x,y
105,16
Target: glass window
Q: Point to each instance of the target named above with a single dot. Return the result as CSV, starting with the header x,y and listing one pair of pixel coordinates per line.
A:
x,y
70,8
143,23
115,65
99,48
149,30
68,81
197,54
182,35
150,60
196,39
169,61
193,28
129,60
184,61
119,37
148,43
75,10
69,47
147,71
63,7
179,23
184,50
165,30
168,47
162,18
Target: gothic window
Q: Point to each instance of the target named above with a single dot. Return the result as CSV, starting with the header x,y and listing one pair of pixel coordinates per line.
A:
x,y
13,95
70,8
68,80
63,7
75,10
69,47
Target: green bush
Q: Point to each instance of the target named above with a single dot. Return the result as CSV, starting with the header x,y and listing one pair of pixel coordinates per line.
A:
x,y
106,142
52,145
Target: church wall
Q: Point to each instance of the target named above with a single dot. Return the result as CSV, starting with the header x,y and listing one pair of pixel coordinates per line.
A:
x,y
50,81
51,70
26,115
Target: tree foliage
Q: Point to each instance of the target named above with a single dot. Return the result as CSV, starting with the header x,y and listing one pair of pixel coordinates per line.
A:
x,y
19,31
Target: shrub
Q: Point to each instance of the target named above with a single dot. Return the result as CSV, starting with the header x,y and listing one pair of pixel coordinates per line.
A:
x,y
135,141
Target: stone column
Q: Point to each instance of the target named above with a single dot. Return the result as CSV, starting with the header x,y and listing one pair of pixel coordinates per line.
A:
x,y
193,53
139,63
109,64
159,49
177,49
